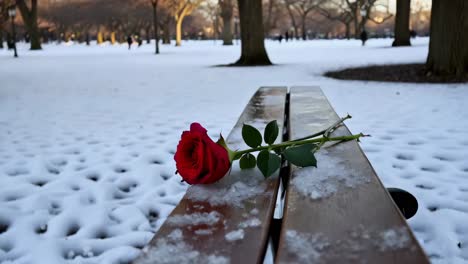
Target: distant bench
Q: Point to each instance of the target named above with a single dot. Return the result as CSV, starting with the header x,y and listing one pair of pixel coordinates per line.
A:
x,y
338,212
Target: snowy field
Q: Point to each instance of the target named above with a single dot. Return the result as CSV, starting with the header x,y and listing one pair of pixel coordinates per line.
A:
x,y
87,137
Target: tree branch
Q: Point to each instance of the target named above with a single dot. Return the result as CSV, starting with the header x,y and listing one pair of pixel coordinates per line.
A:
x,y
383,20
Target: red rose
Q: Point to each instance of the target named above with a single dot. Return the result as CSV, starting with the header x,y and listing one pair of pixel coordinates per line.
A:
x,y
199,160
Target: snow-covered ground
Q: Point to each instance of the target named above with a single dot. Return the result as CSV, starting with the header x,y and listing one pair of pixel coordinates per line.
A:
x,y
87,137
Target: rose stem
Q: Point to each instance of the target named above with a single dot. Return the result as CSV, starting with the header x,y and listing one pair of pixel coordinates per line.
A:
x,y
300,142
331,128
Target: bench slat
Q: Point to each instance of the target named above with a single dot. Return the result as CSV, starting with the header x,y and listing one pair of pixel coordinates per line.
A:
x,y
227,221
339,212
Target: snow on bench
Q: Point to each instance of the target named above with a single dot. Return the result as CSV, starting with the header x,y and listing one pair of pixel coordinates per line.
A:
x,y
225,222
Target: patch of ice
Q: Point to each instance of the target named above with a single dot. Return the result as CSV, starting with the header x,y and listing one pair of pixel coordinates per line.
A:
x,y
231,194
325,180
361,238
253,222
235,235
176,234
173,250
203,232
393,239
210,218
306,247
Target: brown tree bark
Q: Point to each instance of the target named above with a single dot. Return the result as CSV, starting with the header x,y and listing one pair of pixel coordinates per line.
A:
x,y
1,37
154,4
402,32
166,35
448,45
303,27
348,30
179,21
29,16
180,9
253,50
269,17
227,8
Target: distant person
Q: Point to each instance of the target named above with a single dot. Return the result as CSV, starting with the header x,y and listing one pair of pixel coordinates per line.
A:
x,y
363,37
129,41
286,36
280,38
140,42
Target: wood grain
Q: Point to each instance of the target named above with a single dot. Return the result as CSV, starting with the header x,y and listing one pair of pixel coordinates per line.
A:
x,y
350,218
209,240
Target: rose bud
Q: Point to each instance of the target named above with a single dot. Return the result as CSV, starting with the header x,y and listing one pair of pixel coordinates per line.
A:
x,y
199,160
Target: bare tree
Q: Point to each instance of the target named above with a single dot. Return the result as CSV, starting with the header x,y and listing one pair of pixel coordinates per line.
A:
x,y
270,20
165,23
180,9
336,12
402,18
227,10
363,11
303,8
357,12
29,15
289,8
448,45
253,50
211,12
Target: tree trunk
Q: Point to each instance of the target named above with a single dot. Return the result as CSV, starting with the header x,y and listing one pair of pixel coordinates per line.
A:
x,y
167,32
448,44
402,32
1,37
357,32
34,34
293,21
179,31
304,33
30,21
155,25
148,34
215,28
100,38
348,30
226,15
179,19
359,20
252,34
268,22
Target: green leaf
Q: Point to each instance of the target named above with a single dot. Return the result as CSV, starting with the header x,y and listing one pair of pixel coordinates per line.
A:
x,y
251,136
302,156
247,161
268,162
271,132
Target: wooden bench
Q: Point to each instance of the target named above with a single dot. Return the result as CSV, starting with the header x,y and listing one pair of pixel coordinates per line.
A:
x,y
338,212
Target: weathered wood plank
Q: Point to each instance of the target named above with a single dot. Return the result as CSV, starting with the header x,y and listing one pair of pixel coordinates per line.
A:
x,y
339,212
226,222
